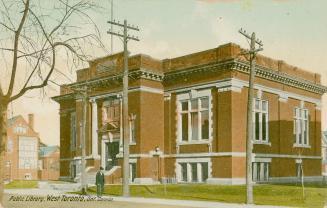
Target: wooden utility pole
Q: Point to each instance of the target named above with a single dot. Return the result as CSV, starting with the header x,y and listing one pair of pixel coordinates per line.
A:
x,y
249,130
83,92
125,119
83,173
112,18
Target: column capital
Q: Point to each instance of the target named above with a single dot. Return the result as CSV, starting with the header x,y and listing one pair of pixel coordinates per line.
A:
x,y
93,100
119,96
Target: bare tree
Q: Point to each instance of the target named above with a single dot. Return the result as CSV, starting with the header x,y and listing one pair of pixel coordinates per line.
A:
x,y
37,37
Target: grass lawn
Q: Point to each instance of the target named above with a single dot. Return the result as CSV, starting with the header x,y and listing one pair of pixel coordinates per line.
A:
x,y
21,184
283,195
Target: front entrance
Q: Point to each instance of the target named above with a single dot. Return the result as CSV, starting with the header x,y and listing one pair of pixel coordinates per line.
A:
x,y
111,151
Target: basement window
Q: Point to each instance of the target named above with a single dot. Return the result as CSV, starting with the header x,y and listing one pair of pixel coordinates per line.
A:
x,y
260,171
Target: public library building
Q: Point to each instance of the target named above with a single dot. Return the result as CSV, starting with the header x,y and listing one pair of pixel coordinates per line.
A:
x,y
188,119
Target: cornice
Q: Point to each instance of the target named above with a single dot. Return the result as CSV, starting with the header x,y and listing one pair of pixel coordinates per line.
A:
x,y
242,66
146,74
230,64
64,97
280,77
117,79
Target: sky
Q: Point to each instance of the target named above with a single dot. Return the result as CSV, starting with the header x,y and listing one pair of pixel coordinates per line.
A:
x,y
291,30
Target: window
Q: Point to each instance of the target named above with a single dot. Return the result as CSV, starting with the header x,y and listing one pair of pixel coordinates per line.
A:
x,y
299,170
73,131
111,111
132,130
28,153
260,171
261,121
301,127
20,129
132,171
193,171
183,172
194,118
10,145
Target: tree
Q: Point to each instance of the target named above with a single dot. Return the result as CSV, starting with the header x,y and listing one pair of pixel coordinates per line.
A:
x,y
35,37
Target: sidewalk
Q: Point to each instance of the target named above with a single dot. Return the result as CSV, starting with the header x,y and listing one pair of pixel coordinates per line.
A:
x,y
140,200
188,203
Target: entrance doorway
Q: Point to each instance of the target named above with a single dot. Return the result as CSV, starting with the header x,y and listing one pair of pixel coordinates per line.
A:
x,y
111,151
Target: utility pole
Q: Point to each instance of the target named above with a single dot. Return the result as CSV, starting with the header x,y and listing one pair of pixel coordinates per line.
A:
x,y
126,138
83,173
249,131
112,18
83,92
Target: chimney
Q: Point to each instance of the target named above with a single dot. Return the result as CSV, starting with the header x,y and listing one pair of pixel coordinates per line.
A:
x,y
31,120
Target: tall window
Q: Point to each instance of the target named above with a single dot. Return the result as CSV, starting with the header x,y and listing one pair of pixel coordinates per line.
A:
x,y
260,171
72,131
111,111
28,153
261,120
194,117
301,126
132,128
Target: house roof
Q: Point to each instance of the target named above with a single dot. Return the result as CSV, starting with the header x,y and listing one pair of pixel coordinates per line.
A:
x,y
12,120
47,150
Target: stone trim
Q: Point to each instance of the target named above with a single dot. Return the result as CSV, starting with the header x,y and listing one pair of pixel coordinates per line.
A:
x,y
242,66
287,156
142,73
294,179
226,181
233,84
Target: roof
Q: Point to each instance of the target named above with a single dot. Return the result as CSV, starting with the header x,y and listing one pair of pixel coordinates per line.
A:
x,y
12,120
213,60
47,150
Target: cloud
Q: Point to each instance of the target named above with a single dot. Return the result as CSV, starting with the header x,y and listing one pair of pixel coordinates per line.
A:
x,y
216,1
233,1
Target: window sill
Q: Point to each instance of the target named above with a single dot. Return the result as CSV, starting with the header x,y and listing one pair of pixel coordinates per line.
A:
x,y
194,142
132,143
302,145
261,142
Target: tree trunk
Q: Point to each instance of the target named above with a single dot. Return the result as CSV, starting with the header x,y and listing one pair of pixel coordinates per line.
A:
x,y
3,139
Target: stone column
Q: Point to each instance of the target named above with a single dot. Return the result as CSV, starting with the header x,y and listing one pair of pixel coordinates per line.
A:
x,y
94,129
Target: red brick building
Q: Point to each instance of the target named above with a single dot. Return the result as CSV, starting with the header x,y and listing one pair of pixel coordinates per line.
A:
x,y
21,156
188,119
49,157
324,153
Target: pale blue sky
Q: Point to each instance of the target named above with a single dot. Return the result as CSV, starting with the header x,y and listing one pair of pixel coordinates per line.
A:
x,y
291,30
